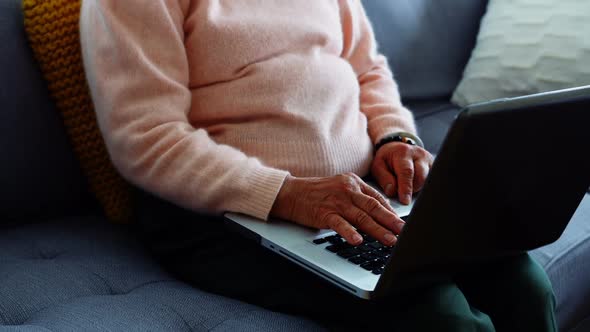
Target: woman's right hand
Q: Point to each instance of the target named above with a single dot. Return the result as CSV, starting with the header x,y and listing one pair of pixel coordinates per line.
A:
x,y
341,203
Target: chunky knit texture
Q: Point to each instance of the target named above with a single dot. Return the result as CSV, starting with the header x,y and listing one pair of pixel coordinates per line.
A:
x,y
211,103
53,31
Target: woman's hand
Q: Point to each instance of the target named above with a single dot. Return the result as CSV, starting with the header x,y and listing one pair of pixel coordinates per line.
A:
x,y
341,203
401,169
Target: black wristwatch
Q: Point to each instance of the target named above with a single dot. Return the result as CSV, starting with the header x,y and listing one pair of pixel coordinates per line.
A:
x,y
399,137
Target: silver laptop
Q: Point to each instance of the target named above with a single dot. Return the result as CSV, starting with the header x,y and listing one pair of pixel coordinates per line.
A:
x,y
508,178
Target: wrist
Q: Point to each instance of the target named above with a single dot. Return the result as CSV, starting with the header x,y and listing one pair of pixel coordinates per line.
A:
x,y
283,205
400,137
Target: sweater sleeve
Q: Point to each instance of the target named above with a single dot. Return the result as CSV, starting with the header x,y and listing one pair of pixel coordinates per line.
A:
x,y
138,74
379,96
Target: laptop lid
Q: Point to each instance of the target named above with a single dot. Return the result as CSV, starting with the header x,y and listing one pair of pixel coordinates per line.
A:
x,y
508,179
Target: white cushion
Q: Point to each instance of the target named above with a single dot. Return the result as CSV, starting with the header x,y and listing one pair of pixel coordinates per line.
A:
x,y
528,46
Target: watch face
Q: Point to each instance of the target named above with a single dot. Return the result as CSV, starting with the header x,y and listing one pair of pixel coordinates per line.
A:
x,y
399,137
408,140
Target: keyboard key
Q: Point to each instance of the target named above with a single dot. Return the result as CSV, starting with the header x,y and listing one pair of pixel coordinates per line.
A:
x,y
371,265
320,241
365,248
369,256
335,239
334,248
376,245
349,252
382,254
357,260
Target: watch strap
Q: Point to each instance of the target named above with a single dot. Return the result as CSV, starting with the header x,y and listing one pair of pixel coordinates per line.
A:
x,y
401,137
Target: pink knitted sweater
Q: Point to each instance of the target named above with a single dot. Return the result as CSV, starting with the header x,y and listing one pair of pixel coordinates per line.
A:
x,y
210,104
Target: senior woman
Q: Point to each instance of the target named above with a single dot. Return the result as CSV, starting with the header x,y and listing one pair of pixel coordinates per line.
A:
x,y
273,108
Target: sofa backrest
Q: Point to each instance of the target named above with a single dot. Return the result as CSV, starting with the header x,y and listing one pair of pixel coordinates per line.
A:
x,y
427,42
39,175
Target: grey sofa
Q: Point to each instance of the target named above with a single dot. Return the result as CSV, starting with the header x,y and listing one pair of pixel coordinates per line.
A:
x,y
63,267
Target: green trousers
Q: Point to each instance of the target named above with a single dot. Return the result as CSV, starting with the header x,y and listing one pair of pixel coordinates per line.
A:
x,y
510,294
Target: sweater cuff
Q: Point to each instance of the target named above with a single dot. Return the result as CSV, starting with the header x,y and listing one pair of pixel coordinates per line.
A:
x,y
401,121
385,131
263,185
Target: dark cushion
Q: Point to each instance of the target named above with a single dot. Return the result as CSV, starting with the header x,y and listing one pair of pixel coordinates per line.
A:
x,y
427,42
83,274
39,175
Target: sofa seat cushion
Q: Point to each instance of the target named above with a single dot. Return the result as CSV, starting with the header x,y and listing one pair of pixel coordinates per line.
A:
x,y
82,274
567,261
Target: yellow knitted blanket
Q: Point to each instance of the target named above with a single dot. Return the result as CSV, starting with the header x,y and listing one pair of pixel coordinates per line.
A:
x,y
52,27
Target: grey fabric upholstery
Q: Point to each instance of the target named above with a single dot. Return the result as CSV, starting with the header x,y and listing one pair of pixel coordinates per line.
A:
x,y
82,274
433,119
567,262
40,176
427,42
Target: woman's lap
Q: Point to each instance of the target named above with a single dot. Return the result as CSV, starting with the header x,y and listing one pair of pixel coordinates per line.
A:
x,y
202,252
515,291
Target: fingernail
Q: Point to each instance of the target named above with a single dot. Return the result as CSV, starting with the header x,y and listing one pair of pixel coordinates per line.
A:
x,y
407,199
357,238
401,226
389,189
389,238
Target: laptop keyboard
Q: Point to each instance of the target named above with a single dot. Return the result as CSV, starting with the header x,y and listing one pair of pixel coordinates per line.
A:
x,y
371,255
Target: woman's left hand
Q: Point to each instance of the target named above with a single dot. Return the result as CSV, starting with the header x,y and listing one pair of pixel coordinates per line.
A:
x,y
401,169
